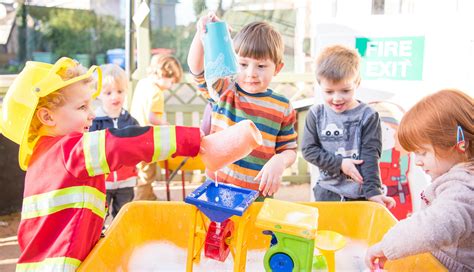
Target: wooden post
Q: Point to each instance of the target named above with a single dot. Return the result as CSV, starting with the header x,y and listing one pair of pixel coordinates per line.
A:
x,y
141,18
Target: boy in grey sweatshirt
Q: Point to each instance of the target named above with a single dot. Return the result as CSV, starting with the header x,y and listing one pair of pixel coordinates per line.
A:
x,y
343,137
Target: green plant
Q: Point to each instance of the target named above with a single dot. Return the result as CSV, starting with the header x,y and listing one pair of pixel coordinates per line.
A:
x,y
178,38
110,33
67,32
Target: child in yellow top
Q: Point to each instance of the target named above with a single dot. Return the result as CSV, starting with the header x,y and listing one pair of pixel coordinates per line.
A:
x,y
440,130
148,100
47,110
148,108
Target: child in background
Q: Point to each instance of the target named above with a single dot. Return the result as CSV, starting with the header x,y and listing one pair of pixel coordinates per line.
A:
x,y
343,136
148,108
259,50
111,114
440,131
47,110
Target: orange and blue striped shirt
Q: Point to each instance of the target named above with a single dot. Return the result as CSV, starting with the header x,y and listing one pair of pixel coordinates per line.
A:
x,y
272,114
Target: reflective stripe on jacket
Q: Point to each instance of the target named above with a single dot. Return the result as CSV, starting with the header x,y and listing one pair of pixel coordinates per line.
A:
x,y
64,198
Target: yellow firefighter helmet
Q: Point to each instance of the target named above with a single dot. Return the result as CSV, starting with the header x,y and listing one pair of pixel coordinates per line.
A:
x,y
35,81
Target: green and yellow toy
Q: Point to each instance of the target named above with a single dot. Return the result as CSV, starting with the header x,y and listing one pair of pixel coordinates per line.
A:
x,y
293,228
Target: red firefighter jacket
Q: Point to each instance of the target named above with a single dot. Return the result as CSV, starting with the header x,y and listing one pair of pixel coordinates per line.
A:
x,y
64,199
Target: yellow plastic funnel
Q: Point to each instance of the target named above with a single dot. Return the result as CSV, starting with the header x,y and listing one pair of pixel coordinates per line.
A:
x,y
328,242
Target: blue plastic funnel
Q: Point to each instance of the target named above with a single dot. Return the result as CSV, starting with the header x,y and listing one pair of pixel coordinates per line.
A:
x,y
221,202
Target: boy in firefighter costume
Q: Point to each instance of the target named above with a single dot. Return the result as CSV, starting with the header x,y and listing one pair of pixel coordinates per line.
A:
x,y
47,111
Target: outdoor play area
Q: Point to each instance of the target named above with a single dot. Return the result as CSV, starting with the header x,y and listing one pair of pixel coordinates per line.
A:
x,y
192,220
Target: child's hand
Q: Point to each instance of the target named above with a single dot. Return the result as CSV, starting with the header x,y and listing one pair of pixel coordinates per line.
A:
x,y
270,176
374,253
201,24
348,168
387,201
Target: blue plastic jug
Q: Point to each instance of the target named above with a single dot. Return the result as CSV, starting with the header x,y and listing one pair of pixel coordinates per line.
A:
x,y
219,54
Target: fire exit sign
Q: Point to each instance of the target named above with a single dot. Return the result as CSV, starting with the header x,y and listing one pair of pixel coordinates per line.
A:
x,y
397,58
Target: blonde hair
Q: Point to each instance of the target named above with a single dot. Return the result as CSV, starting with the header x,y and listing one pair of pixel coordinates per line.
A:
x,y
337,63
259,40
57,98
435,120
112,73
166,66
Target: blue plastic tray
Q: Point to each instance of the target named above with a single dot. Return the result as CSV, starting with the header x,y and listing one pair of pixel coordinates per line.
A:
x,y
221,202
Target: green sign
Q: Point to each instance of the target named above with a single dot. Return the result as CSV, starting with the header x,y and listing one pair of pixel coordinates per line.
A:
x,y
397,58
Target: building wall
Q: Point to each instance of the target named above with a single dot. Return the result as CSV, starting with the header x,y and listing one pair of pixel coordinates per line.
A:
x,y
447,55
8,40
344,8
71,4
163,14
13,45
115,8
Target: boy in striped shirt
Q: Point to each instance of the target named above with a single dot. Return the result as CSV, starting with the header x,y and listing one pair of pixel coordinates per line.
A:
x,y
259,50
